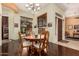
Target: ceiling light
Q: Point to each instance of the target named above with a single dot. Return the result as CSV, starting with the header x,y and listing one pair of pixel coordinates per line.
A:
x,y
38,8
34,9
36,4
29,8
32,6
26,5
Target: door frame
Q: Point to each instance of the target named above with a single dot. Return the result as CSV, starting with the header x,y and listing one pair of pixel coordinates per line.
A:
x,y
56,26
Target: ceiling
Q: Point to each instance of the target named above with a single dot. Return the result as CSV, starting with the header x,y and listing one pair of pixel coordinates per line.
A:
x,y
12,6
22,7
71,9
68,5
64,6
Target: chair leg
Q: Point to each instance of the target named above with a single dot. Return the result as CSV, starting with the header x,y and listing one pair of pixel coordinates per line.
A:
x,y
27,50
20,52
39,52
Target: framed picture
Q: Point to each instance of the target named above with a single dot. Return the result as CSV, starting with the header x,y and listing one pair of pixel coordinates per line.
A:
x,y
76,26
35,26
49,24
15,24
42,20
70,27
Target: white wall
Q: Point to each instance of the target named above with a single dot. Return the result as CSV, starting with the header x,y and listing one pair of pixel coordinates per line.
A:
x,y
35,24
0,24
50,10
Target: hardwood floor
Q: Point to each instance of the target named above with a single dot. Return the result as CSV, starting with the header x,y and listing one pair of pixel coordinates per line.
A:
x,y
11,48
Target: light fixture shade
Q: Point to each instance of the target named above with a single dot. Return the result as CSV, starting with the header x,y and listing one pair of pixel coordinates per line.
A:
x,y
36,4
38,8
34,9
29,8
26,5
33,6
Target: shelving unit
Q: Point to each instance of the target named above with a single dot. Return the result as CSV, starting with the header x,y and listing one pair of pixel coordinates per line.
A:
x,y
26,23
42,22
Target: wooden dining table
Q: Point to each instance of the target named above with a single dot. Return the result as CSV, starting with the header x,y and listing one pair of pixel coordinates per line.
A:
x,y
33,41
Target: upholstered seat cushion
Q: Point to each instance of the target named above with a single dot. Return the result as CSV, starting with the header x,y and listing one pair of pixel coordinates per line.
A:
x,y
37,45
26,43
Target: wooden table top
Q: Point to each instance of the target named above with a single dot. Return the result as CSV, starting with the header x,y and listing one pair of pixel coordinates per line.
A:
x,y
34,39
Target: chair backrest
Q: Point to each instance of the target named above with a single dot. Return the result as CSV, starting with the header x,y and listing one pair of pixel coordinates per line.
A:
x,y
46,35
46,39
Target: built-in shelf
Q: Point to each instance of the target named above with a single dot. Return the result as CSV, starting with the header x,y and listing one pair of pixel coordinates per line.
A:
x,y
42,22
26,23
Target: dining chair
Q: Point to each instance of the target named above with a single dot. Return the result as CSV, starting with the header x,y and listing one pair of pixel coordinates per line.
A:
x,y
46,42
42,45
23,44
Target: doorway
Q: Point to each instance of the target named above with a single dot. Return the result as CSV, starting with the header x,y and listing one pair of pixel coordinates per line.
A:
x,y
5,30
5,35
59,29
58,25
